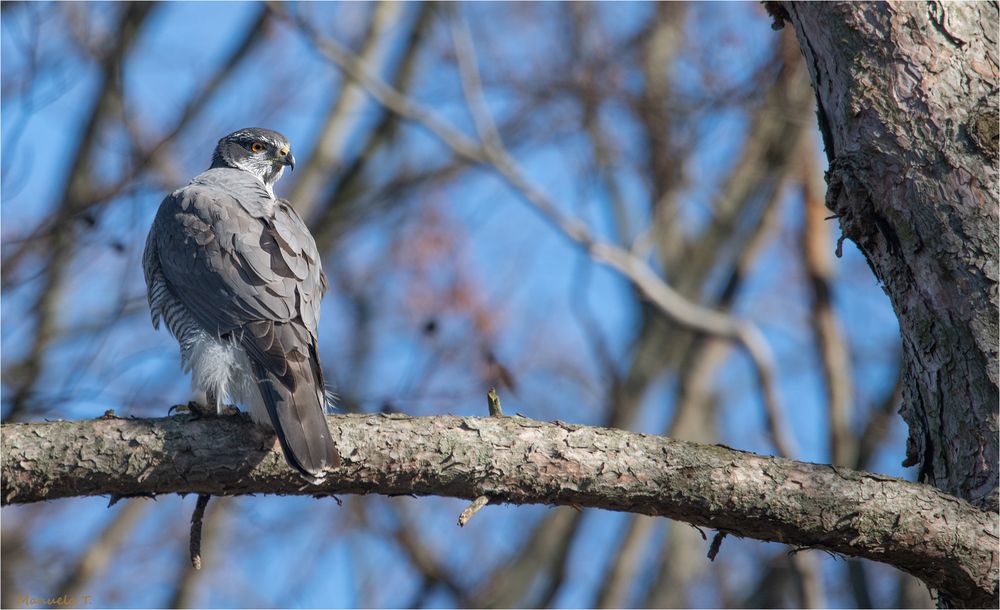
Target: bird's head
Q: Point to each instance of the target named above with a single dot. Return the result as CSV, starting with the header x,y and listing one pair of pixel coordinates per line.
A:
x,y
262,152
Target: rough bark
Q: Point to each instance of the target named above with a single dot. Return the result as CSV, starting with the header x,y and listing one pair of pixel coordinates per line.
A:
x,y
907,106
943,540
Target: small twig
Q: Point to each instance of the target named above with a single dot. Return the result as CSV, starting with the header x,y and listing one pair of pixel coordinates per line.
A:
x,y
493,403
473,508
196,519
713,548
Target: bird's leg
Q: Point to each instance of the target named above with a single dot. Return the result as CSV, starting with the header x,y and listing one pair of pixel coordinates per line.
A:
x,y
201,409
193,407
211,407
220,409
212,399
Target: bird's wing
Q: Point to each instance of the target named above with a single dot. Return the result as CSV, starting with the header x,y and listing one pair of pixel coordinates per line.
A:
x,y
294,238
226,266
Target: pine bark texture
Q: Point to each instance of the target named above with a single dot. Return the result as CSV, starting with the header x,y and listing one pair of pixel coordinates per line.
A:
x,y
943,540
907,104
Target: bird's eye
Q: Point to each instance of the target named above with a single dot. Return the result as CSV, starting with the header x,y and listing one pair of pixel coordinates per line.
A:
x,y
256,147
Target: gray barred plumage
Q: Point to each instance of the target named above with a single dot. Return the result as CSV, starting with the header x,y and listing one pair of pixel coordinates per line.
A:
x,y
235,276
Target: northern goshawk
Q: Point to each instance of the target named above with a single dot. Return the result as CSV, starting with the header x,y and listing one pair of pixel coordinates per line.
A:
x,y
235,275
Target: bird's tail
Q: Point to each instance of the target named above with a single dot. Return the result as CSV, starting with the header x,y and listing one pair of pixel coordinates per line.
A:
x,y
295,398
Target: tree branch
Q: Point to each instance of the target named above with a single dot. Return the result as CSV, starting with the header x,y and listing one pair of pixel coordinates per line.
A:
x,y
946,542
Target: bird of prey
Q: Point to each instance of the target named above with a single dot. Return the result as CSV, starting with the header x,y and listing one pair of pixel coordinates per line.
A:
x,y
235,275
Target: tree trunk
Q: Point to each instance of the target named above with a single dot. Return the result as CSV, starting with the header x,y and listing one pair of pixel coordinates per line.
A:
x,y
907,106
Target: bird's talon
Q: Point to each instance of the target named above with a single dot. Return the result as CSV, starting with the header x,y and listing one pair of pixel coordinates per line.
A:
x,y
199,410
179,409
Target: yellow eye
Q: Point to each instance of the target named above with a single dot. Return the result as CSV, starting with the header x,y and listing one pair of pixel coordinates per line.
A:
x,y
256,147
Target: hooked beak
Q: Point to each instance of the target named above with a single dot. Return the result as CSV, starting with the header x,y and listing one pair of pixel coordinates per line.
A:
x,y
289,160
